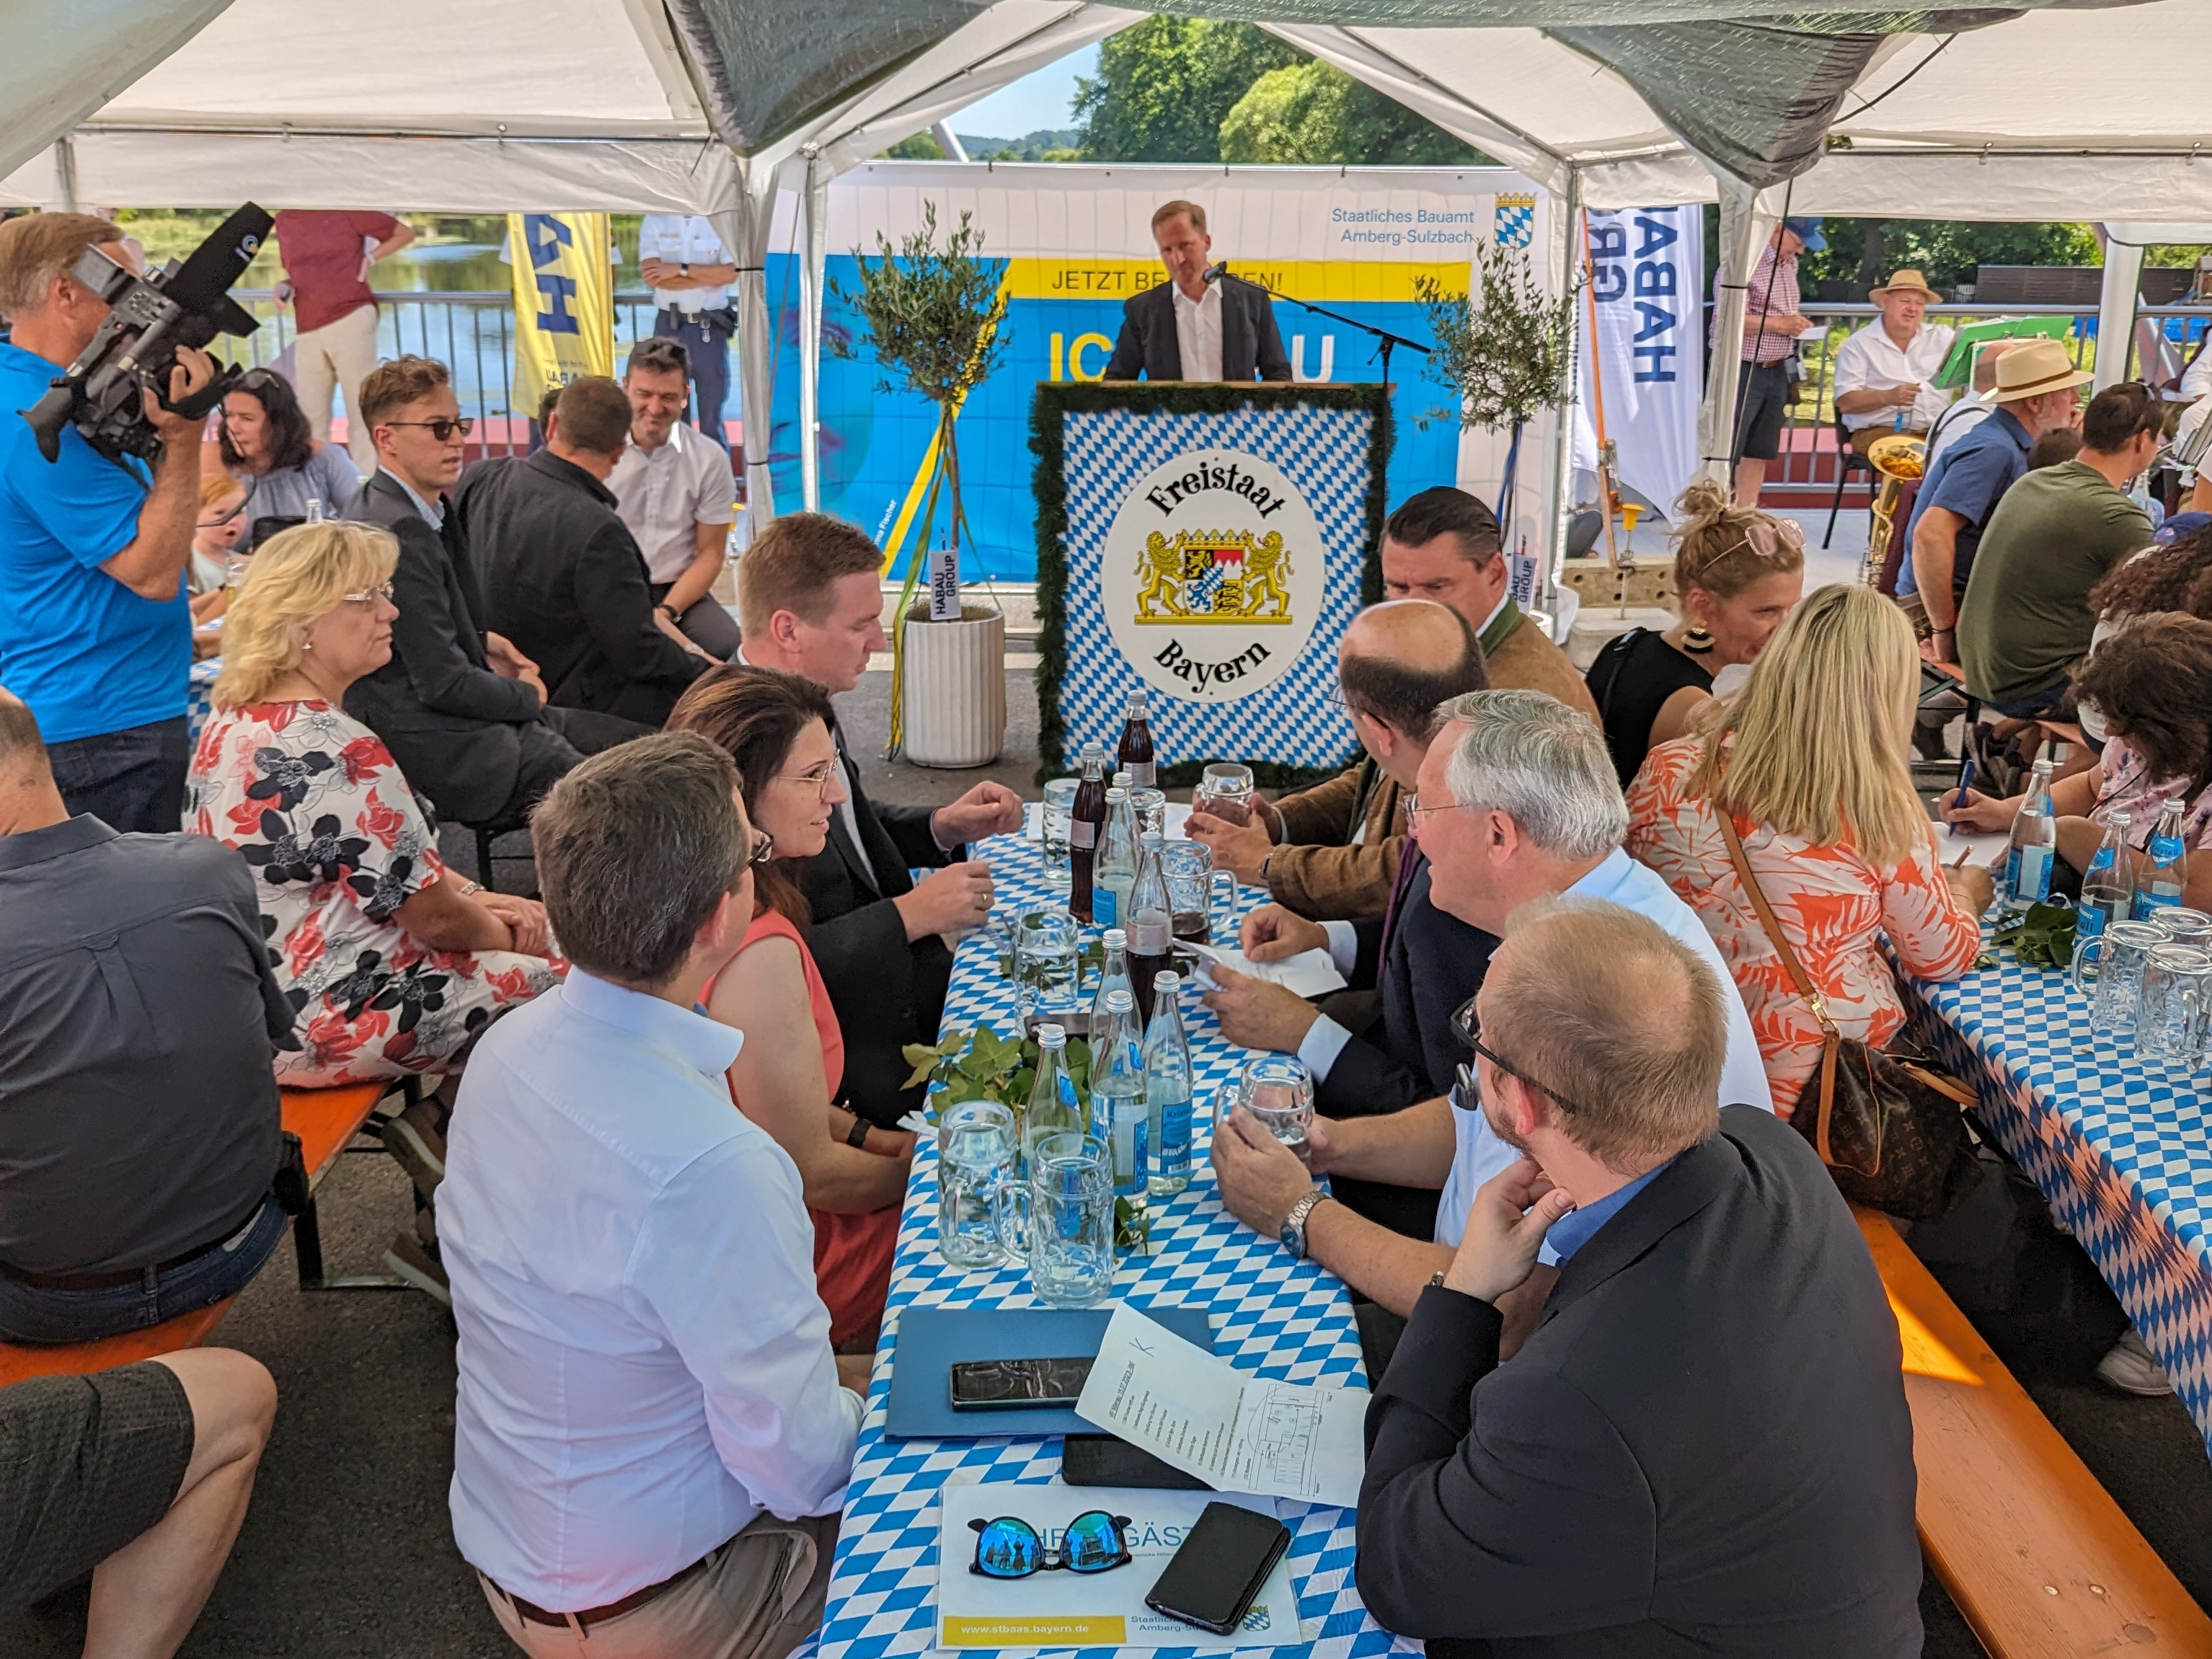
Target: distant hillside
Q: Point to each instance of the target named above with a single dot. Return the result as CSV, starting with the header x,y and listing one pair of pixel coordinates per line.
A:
x,y
1046,144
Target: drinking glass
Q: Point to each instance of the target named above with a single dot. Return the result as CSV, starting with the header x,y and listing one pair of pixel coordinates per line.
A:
x,y
1060,1221
1225,792
1278,1090
1047,984
2182,926
1200,896
1058,808
2174,1009
1150,808
975,1158
2108,968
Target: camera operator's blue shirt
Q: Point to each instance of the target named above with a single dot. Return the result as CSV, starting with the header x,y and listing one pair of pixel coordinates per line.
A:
x,y
87,655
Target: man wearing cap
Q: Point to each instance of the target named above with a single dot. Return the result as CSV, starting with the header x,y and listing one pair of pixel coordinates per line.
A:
x,y
2035,393
1771,327
1885,372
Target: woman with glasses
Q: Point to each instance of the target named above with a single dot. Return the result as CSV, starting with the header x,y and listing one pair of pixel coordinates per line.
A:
x,y
1737,572
268,448
1811,761
787,1078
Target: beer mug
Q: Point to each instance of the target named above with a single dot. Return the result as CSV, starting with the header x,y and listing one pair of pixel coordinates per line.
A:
x,y
1277,1090
2182,926
975,1158
1046,980
2174,1007
2108,968
1225,792
1061,1220
1200,896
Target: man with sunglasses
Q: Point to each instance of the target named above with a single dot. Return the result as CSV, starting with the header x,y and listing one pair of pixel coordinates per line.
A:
x,y
1518,802
1704,1447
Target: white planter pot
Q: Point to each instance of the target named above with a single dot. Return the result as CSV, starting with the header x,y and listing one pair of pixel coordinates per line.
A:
x,y
955,689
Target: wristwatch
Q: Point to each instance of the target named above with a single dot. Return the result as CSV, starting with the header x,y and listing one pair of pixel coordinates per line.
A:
x,y
858,1135
662,609
1293,1231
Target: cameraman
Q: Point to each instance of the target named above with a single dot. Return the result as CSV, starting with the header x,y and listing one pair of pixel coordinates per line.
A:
x,y
95,631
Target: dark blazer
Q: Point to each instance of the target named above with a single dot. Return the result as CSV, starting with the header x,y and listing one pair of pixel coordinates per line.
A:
x,y
452,723
1703,1448
564,580
1249,341
887,993
1430,963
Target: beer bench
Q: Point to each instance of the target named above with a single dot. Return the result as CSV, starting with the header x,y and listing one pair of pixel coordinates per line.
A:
x,y
2038,1557
327,1121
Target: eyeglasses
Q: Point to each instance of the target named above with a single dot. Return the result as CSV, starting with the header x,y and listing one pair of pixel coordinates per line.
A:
x,y
1417,809
1467,1027
818,780
764,850
369,596
1766,537
1009,1547
441,430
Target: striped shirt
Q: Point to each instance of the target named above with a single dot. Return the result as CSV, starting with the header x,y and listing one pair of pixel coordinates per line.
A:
x,y
1772,293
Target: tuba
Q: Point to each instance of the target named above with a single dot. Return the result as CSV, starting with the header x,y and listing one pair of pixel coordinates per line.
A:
x,y
1901,458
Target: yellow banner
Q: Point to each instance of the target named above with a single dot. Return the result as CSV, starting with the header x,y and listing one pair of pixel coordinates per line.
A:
x,y
1074,1631
564,308
1324,282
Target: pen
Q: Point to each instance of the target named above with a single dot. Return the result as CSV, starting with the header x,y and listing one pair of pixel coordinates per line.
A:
x,y
1966,777
1959,863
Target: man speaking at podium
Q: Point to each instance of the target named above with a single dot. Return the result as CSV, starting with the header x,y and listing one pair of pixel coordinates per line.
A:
x,y
1200,324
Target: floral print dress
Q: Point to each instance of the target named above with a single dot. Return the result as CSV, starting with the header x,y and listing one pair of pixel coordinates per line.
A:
x,y
337,842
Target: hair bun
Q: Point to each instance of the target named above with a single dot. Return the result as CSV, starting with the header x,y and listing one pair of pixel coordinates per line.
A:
x,y
1706,498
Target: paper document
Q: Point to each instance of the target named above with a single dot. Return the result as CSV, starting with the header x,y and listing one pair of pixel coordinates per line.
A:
x,y
1988,851
1234,1431
1310,973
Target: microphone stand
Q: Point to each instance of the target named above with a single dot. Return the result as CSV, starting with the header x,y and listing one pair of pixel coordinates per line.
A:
x,y
1384,338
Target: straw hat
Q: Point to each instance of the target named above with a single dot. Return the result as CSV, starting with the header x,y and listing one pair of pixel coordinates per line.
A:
x,y
1907,281
2033,367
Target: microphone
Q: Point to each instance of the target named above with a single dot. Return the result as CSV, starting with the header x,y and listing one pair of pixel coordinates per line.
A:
x,y
1213,273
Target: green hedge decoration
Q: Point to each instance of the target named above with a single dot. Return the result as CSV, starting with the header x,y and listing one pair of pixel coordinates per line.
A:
x,y
1057,398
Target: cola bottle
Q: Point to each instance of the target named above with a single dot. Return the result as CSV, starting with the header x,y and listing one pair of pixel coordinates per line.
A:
x,y
1086,822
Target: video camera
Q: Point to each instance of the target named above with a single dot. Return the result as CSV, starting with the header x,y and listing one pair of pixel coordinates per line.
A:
x,y
182,304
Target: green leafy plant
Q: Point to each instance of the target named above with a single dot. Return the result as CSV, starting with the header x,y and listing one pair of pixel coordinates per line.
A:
x,y
979,1064
2043,937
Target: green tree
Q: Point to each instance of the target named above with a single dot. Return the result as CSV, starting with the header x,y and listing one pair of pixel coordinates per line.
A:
x,y
1315,113
921,147
1164,87
1863,252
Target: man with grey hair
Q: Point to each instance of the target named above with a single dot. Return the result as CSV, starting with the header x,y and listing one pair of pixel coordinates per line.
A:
x,y
1704,1447
1517,802
651,1441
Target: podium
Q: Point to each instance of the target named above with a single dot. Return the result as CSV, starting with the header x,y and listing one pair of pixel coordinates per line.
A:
x,y
1209,541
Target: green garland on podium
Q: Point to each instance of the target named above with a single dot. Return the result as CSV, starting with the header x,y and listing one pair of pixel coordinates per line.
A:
x,y
1057,398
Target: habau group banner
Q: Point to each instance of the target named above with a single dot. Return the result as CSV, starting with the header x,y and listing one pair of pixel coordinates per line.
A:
x,y
564,310
1647,289
1076,241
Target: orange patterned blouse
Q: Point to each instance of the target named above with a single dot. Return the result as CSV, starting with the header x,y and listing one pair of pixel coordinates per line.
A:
x,y
1832,904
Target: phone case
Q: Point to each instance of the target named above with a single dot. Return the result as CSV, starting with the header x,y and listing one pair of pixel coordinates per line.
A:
x,y
1280,1542
1107,1460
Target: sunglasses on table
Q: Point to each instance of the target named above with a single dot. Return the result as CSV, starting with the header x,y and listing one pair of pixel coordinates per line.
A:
x,y
1467,1026
1009,1547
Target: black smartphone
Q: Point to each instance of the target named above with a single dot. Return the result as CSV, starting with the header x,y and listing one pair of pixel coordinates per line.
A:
x,y
1107,1460
1012,1384
1211,1581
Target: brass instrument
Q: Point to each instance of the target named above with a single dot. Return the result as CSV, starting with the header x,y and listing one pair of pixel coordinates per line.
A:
x,y
1901,457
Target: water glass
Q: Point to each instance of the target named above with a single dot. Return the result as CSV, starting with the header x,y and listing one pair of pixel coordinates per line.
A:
x,y
975,1158
1060,1221
1277,1090
2108,968
1058,808
2182,926
2173,1012
1225,792
1047,970
1202,897
1149,809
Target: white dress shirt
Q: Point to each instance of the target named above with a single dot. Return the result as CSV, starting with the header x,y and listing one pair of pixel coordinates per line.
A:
x,y
1870,359
684,239
645,1364
1198,332
1955,423
1618,880
662,494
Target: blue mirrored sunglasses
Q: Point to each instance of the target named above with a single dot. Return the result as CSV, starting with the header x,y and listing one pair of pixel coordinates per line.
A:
x,y
1009,1547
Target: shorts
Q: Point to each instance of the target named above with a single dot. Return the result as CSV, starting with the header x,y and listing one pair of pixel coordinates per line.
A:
x,y
1760,407
87,1465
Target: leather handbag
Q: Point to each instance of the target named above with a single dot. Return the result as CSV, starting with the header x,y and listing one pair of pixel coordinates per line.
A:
x,y
1890,1130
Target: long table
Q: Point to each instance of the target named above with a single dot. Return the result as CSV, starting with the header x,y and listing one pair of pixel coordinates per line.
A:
x,y
1271,1315
2117,1148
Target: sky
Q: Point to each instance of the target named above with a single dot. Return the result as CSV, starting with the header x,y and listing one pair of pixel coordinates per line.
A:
x,y
1038,100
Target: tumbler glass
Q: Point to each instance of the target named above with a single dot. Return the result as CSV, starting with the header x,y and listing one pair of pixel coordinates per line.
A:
x,y
2108,968
1202,897
1278,1090
1047,970
1060,1221
1225,792
1149,809
2172,1011
975,1158
1059,806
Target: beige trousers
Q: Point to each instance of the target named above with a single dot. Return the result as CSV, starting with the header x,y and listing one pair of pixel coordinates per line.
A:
x,y
758,1597
338,357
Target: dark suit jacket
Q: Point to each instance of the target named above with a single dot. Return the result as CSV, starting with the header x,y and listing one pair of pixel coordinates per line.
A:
x,y
887,993
1703,1448
1249,341
452,723
564,581
1430,965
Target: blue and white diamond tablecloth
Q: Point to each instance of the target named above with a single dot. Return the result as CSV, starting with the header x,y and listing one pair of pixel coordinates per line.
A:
x,y
199,689
2117,1147
1271,1315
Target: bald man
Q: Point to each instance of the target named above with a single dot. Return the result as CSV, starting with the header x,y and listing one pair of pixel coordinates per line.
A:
x,y
1398,663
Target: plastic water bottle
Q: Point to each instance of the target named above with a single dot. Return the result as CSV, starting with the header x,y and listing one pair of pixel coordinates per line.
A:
x,y
1114,976
1055,1107
2108,885
2035,843
1117,862
1117,1097
2162,886
1167,1087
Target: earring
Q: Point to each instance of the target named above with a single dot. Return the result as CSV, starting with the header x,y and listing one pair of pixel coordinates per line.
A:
x,y
1697,640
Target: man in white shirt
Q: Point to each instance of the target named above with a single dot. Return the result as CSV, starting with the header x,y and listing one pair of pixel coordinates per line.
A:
x,y
651,1442
1194,327
690,271
1517,800
1884,371
678,494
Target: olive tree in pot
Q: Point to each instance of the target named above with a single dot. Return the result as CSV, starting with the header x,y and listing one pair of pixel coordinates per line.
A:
x,y
933,318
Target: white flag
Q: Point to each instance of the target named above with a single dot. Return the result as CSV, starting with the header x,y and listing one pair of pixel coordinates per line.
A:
x,y
1647,287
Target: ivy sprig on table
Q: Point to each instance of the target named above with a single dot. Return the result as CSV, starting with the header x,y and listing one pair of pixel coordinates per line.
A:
x,y
2042,938
979,1064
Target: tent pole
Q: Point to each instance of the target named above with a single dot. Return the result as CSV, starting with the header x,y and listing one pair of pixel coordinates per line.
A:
x,y
1744,230
814,232
65,172
2116,310
744,228
1560,486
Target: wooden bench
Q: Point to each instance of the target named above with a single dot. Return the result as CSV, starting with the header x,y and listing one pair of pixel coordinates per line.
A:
x,y
2037,1556
326,1120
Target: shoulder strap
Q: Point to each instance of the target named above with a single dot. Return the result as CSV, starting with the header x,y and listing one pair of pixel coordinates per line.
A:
x,y
1831,1038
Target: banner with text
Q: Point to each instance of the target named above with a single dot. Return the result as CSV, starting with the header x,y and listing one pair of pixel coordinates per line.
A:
x,y
1647,288
564,310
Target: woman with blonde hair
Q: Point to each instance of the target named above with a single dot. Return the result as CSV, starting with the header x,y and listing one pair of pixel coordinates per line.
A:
x,y
1811,763
1737,572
